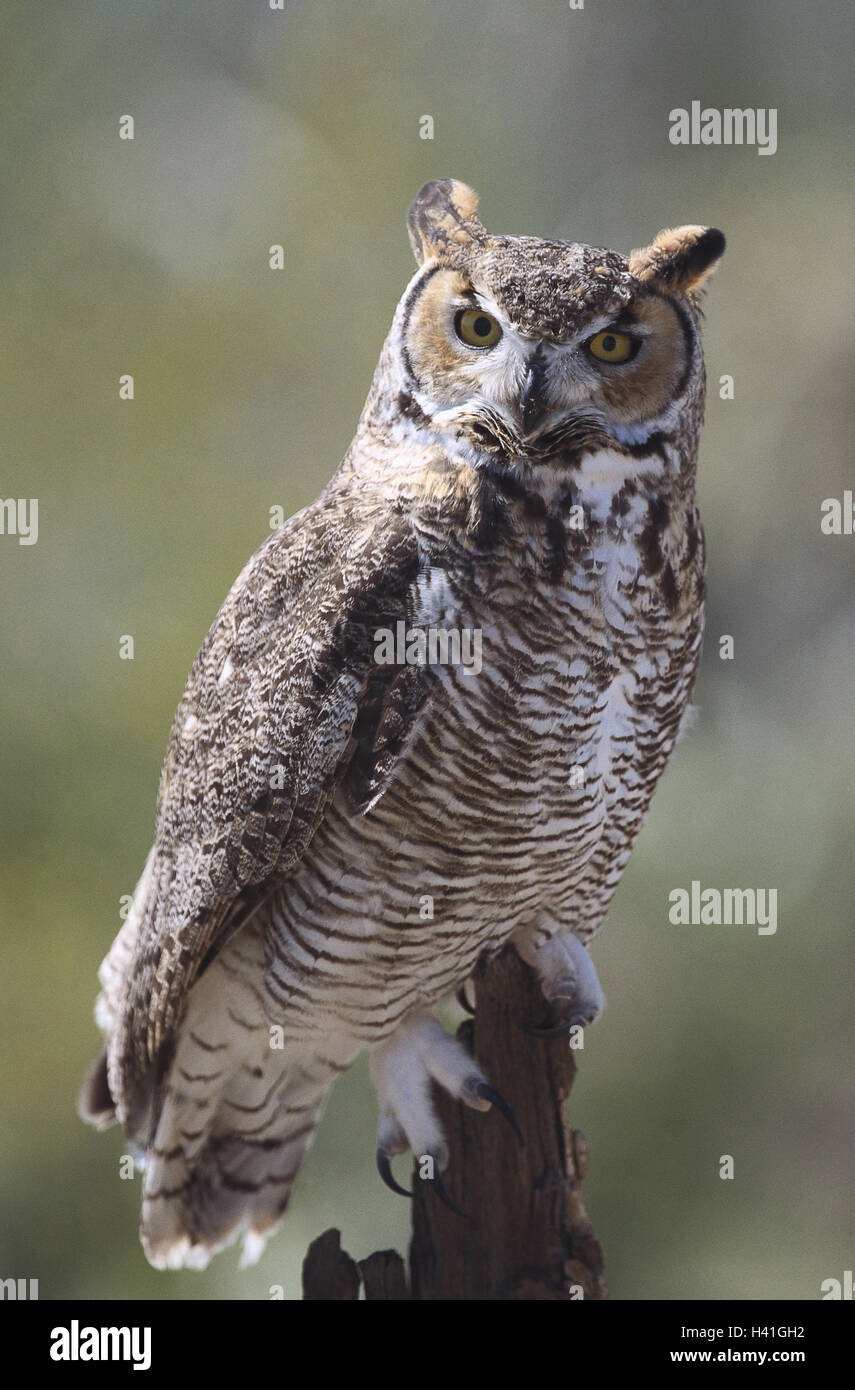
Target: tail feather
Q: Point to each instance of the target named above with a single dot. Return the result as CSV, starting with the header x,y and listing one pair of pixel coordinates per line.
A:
x,y
208,1183
225,1114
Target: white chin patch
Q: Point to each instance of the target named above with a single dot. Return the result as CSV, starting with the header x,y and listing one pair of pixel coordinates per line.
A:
x,y
644,430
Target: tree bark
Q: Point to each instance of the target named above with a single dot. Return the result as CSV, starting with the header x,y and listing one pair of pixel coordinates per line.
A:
x,y
328,1271
524,1233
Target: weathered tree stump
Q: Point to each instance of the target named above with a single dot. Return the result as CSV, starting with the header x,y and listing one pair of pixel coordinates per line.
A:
x,y
328,1271
524,1234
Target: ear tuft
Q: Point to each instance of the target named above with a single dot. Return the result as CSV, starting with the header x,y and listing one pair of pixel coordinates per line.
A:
x,y
681,257
443,218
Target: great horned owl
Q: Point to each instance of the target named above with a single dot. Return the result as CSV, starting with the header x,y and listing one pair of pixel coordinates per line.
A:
x,y
351,814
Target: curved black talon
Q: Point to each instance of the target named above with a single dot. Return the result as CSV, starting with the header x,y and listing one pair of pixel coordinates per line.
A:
x,y
384,1168
486,1092
463,1000
442,1192
540,1030
549,1029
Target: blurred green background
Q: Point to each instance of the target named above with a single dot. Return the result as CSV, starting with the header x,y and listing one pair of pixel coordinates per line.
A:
x,y
151,257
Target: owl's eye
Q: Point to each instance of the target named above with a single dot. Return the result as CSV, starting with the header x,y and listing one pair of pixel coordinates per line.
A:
x,y
611,346
477,329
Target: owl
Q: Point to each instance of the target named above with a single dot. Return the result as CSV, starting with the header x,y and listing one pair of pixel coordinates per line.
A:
x,y
427,722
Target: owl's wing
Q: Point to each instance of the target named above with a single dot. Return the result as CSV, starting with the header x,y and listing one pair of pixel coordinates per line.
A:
x,y
284,699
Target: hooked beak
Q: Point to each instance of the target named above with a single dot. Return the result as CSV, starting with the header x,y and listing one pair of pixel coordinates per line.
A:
x,y
531,400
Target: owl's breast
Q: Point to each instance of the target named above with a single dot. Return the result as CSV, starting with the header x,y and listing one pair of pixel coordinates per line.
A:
x,y
553,711
565,701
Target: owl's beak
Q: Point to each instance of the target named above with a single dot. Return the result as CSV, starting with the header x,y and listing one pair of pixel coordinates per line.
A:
x,y
531,400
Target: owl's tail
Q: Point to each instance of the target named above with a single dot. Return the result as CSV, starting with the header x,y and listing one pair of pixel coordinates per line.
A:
x,y
210,1178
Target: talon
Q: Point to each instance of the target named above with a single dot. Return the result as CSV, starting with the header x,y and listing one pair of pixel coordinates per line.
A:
x,y
487,1092
442,1192
549,1028
463,1001
384,1168
535,1031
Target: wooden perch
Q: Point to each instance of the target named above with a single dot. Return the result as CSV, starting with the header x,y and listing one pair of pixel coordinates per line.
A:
x,y
525,1234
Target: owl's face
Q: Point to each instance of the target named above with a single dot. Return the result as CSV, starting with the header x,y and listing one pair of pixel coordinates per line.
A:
x,y
525,342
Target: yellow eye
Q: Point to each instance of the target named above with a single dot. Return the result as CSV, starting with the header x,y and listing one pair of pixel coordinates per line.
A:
x,y
477,329
611,346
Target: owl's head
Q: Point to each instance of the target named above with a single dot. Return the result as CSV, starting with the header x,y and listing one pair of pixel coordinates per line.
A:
x,y
532,349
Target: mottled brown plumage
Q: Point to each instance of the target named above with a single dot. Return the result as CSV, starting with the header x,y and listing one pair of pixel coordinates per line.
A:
x,y
339,835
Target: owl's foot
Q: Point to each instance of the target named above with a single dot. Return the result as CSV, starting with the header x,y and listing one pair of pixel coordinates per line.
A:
x,y
569,983
418,1053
